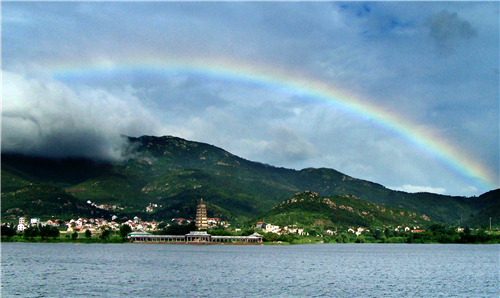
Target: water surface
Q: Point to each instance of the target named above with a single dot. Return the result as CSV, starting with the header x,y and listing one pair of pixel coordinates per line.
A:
x,y
321,270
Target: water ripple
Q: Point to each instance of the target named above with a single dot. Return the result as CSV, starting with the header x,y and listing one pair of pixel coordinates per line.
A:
x,y
336,270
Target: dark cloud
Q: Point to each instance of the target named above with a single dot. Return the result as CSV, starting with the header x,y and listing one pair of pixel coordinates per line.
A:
x,y
447,30
49,119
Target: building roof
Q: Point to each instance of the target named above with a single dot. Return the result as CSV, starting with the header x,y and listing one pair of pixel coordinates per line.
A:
x,y
198,233
138,234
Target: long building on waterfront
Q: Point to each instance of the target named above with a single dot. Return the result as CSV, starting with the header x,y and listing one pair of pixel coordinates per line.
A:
x,y
194,237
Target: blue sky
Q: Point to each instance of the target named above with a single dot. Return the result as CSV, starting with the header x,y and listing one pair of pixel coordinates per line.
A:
x,y
432,64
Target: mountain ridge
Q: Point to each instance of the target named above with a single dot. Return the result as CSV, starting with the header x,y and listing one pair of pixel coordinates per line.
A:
x,y
171,171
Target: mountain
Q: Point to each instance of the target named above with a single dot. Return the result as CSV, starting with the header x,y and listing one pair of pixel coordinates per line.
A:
x,y
172,174
308,209
45,201
482,218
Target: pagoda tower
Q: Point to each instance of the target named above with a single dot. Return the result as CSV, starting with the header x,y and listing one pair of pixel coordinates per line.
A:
x,y
201,216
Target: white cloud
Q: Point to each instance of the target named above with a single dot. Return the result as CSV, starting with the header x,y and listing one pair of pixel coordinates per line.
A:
x,y
415,189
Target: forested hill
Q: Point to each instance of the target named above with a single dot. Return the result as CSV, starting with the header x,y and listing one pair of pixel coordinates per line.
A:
x,y
308,209
171,174
492,200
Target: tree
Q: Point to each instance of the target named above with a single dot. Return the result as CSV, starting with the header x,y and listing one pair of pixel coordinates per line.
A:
x,y
8,231
361,239
74,236
31,232
437,228
312,232
346,238
105,234
269,237
124,230
220,232
410,238
88,234
328,239
248,232
286,238
179,229
481,236
49,231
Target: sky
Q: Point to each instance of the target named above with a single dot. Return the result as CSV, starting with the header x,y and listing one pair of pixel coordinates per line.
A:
x,y
405,94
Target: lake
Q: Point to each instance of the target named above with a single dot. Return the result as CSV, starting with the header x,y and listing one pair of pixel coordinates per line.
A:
x,y
317,270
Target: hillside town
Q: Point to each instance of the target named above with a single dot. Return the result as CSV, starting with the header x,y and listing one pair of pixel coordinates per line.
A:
x,y
96,225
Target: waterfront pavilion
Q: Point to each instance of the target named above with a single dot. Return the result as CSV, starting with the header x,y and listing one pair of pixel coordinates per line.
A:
x,y
194,237
198,236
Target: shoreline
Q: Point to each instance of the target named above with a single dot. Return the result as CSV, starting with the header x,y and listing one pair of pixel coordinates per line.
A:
x,y
120,241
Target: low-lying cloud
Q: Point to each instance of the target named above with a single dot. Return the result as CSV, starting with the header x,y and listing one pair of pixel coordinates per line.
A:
x,y
47,118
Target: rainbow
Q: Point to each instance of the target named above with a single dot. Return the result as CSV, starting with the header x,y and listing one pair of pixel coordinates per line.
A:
x,y
426,141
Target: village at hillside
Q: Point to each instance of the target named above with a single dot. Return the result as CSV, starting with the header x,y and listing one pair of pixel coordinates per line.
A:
x,y
101,230
81,224
96,225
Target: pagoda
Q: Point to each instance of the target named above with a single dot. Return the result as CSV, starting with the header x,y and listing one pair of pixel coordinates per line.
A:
x,y
201,216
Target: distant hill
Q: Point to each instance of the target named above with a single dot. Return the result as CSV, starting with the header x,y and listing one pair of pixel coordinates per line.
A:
x,y
45,202
174,174
308,209
482,218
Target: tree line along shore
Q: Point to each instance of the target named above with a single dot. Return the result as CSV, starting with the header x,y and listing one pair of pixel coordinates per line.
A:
x,y
434,234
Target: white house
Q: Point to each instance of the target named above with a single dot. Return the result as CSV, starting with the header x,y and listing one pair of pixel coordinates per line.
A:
x,y
272,229
330,232
22,220
74,229
34,221
21,227
361,230
52,223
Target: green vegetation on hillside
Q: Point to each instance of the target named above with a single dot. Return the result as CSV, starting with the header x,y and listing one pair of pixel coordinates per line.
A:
x,y
44,201
490,214
308,209
174,173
